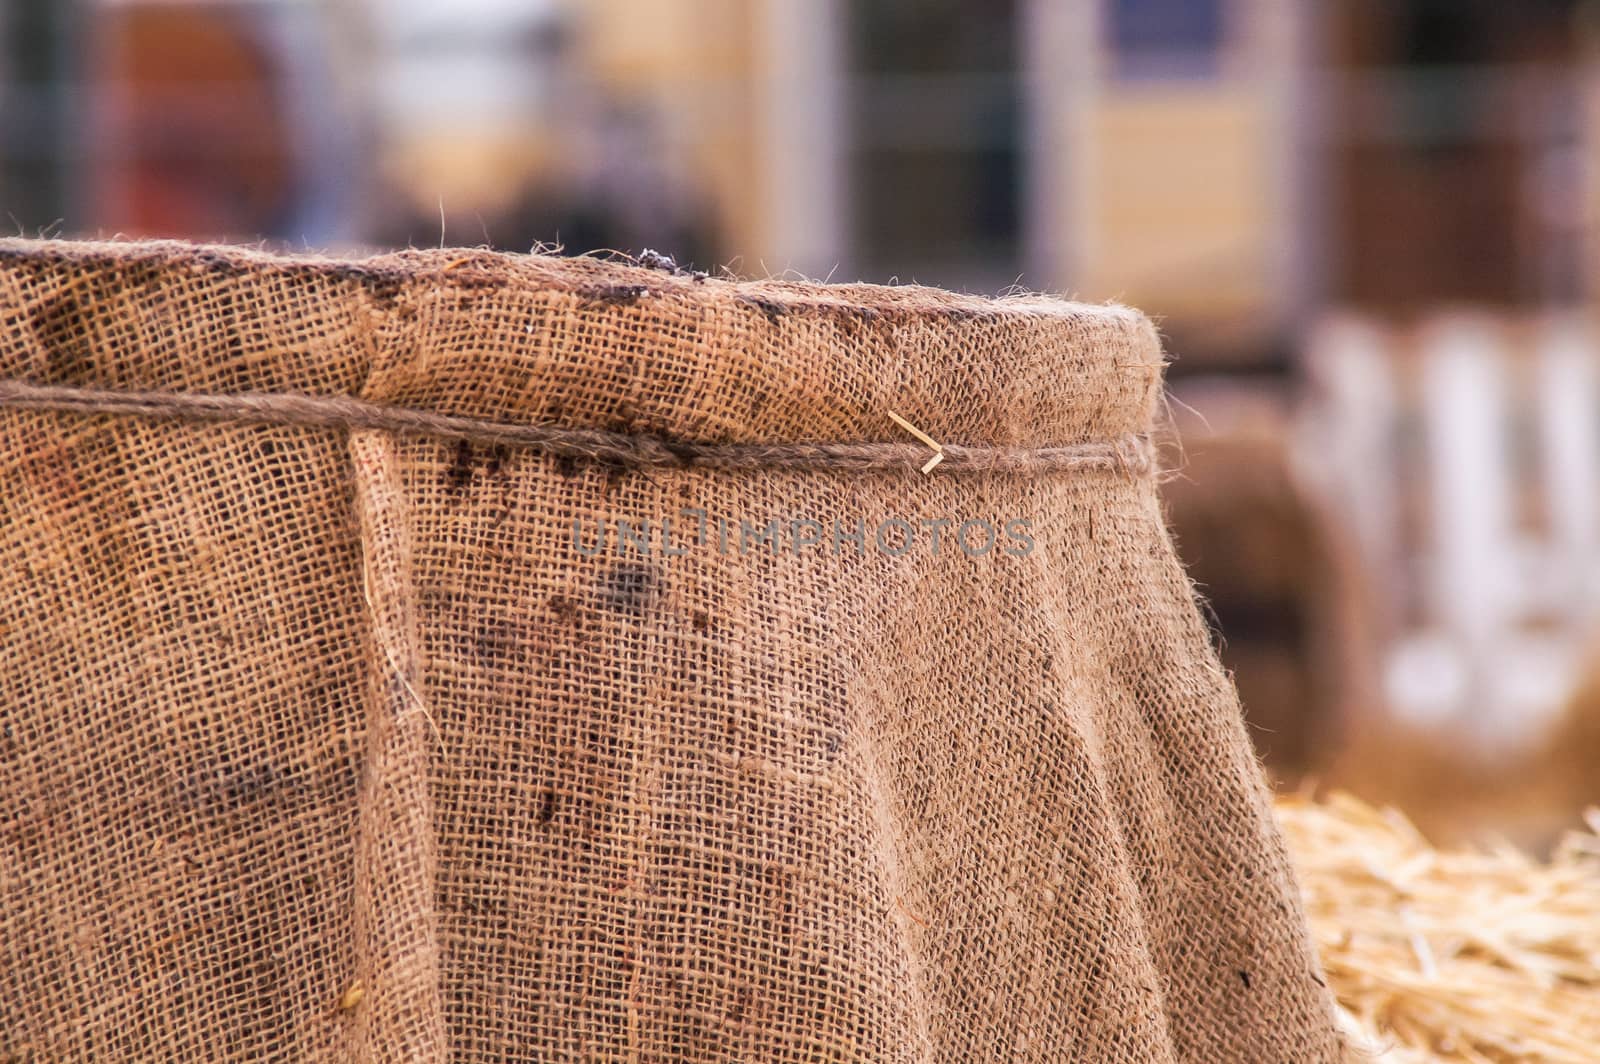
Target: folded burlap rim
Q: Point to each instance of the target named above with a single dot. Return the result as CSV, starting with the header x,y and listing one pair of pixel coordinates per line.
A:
x,y
1132,454
477,346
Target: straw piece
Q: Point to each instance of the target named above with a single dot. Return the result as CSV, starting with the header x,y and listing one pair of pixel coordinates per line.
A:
x,y
353,995
1450,956
918,433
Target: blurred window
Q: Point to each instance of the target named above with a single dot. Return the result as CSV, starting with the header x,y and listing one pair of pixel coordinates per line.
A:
x,y
1453,129
38,39
1159,39
936,156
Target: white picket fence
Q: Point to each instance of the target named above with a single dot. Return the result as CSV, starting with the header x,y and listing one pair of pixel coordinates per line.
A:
x,y
1464,453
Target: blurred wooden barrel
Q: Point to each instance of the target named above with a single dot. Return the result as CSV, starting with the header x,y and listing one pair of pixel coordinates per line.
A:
x,y
1283,590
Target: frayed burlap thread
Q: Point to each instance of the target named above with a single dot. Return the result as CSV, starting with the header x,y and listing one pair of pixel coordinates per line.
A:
x,y
356,701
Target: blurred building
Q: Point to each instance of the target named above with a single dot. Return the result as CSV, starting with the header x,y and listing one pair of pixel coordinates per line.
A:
x,y
1374,218
1367,228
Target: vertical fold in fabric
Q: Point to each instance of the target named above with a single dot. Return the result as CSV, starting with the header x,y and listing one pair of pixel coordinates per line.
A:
x,y
398,1012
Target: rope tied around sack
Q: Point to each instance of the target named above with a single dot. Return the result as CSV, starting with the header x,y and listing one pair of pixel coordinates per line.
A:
x,y
1132,455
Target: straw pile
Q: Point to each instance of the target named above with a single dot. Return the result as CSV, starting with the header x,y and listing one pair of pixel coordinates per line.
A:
x,y
1486,955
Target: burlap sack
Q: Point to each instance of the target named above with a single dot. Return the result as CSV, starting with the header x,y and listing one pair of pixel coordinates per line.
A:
x,y
327,734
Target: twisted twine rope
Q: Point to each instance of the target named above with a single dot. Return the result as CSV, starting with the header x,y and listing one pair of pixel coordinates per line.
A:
x,y
1132,455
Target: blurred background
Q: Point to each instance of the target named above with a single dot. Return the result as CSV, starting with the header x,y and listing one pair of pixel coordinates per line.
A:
x,y
1367,227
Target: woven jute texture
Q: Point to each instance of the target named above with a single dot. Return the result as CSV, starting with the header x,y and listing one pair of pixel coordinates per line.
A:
x,y
356,701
